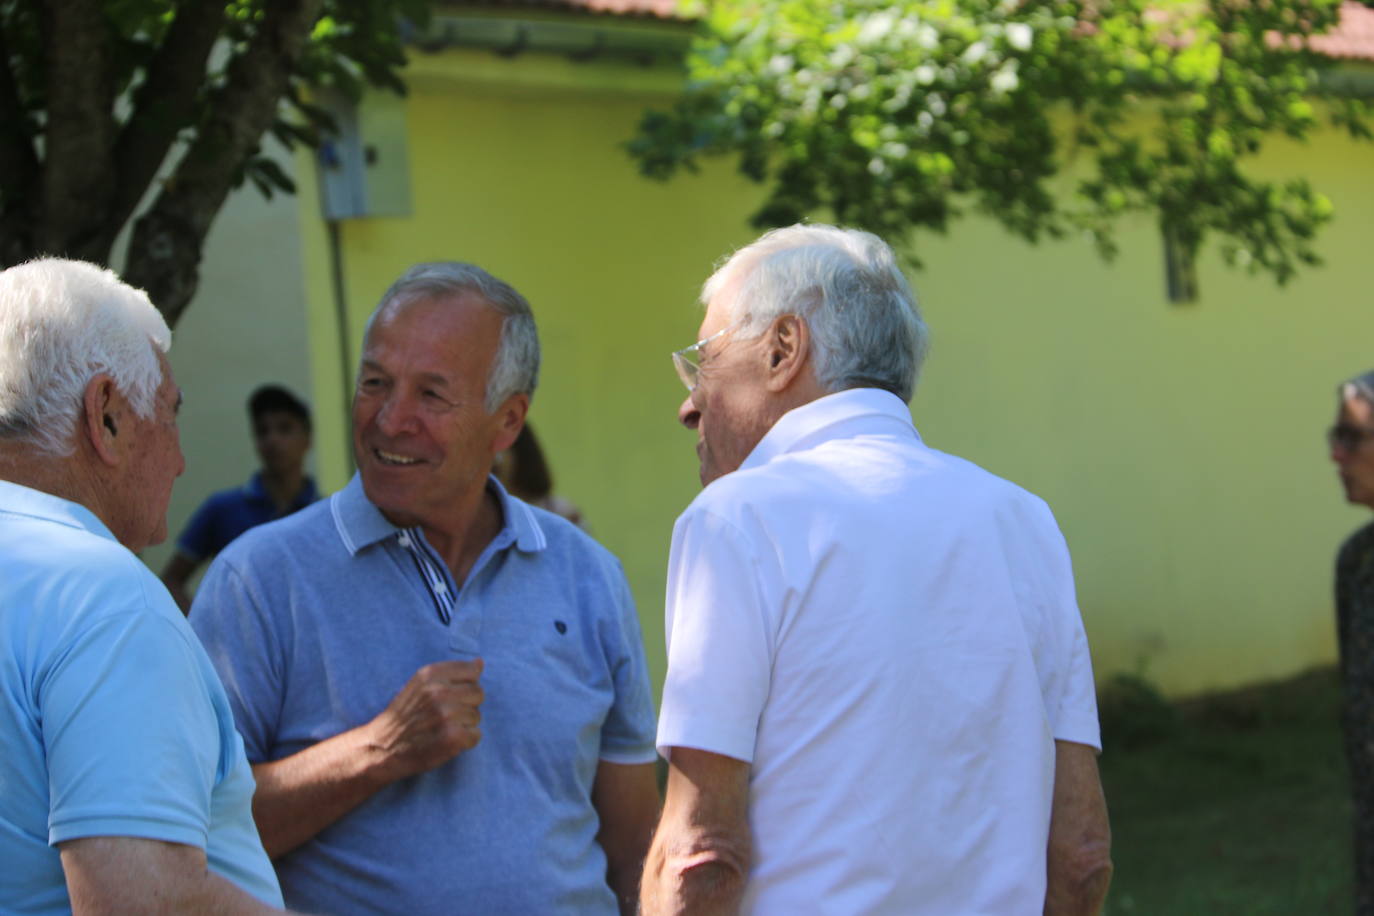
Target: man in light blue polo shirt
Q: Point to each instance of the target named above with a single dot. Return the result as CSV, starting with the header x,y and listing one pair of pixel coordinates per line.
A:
x,y
442,689
123,785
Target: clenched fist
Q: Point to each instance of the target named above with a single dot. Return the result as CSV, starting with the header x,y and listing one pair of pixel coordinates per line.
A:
x,y
433,719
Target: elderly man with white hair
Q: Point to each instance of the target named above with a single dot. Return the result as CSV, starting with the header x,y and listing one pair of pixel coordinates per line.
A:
x,y
125,785
879,698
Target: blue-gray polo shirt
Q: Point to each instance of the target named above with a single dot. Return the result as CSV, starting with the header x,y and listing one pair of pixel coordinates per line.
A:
x,y
317,620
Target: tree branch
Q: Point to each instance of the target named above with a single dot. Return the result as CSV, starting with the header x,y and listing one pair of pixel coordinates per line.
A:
x,y
165,101
18,167
77,177
164,253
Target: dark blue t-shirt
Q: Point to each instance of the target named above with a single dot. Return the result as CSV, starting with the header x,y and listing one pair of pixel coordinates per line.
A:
x,y
229,513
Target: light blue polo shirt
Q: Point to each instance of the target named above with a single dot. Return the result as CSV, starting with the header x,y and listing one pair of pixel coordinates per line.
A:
x,y
112,721
317,620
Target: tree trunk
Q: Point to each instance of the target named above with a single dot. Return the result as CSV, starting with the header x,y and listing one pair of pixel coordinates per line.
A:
x,y
164,253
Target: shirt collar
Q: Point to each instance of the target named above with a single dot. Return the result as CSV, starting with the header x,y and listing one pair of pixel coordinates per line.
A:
x,y
361,524
22,500
834,416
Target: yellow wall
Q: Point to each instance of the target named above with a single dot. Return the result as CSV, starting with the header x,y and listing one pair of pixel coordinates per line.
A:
x,y
1179,446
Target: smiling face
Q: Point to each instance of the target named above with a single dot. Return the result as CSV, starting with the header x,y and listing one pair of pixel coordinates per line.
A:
x,y
1355,462
730,408
422,438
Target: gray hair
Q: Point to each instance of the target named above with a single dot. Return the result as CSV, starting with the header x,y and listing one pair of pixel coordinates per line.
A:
x,y
865,325
1361,386
61,324
515,369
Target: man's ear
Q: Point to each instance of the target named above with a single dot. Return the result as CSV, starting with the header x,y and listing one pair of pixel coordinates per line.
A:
x,y
788,351
510,417
103,417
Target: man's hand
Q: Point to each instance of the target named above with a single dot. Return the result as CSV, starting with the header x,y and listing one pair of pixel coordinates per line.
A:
x,y
433,719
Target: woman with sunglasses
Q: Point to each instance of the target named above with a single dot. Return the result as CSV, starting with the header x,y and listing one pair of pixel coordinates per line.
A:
x,y
1352,449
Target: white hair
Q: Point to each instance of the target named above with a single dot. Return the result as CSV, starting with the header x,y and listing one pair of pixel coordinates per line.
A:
x,y
61,324
866,328
515,367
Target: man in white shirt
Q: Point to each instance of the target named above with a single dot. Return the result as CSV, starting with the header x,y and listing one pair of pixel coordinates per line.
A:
x,y
879,696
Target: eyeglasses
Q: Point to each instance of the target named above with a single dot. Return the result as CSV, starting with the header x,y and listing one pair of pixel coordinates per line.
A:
x,y
1347,437
687,361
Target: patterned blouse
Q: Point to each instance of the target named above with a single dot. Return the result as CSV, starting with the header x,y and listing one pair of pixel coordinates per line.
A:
x,y
1355,630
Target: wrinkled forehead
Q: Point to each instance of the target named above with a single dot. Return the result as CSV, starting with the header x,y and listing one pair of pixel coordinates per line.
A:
x,y
724,304
412,316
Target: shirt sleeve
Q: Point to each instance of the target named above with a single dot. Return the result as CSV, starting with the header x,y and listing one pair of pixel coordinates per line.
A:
x,y
128,724
627,735
720,640
198,537
243,647
1072,709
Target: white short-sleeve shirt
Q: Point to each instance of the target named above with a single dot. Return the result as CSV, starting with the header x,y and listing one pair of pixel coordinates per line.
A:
x,y
889,636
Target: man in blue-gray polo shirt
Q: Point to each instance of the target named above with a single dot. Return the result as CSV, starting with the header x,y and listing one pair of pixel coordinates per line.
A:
x,y
123,784
442,689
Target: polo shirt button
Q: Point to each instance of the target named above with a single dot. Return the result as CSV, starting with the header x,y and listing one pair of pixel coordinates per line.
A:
x,y
404,539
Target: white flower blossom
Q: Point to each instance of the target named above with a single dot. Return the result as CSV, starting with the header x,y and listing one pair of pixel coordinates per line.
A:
x,y
925,74
1005,79
781,64
1019,35
877,27
975,52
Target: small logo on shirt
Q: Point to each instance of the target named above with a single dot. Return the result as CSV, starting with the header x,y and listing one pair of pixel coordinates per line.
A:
x,y
560,626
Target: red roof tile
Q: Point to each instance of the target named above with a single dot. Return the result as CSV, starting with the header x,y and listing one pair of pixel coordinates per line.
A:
x,y
650,9
1353,39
